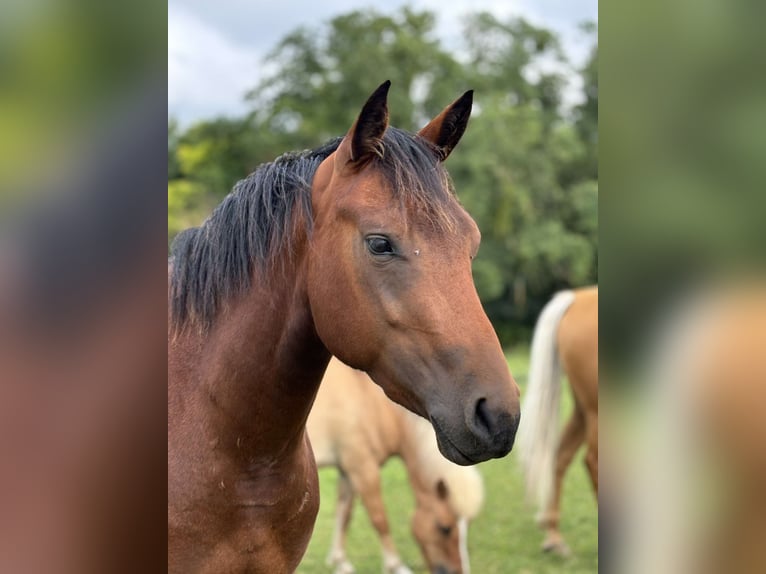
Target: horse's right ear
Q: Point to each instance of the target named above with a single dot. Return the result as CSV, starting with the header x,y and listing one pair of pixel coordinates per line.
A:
x,y
446,129
365,138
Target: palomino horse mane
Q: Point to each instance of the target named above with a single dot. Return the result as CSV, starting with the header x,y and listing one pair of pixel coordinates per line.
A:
x,y
464,483
256,221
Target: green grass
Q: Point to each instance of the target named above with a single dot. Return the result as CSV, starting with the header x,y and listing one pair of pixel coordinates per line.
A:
x,y
503,539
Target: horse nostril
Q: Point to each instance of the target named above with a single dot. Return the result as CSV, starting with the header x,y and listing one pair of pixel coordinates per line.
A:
x,y
482,417
496,428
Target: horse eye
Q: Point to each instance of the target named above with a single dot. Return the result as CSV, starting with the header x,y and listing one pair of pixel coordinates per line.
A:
x,y
444,529
379,245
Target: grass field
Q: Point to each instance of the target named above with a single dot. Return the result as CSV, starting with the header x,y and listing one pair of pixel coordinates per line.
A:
x,y
503,539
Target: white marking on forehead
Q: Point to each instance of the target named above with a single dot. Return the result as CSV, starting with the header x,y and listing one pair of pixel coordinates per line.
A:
x,y
462,529
417,252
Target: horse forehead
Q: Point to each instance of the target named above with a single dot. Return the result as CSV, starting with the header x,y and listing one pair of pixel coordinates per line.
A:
x,y
459,233
445,513
367,196
371,201
438,509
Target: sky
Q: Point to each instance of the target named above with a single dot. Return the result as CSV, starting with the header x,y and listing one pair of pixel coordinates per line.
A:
x,y
216,49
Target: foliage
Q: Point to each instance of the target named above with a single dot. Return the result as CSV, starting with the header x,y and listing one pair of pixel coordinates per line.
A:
x,y
526,169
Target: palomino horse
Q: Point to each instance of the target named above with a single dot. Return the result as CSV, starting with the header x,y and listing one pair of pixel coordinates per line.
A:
x,y
566,335
359,249
696,501
354,427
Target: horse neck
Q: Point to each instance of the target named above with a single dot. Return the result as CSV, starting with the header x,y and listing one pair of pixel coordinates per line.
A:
x,y
262,364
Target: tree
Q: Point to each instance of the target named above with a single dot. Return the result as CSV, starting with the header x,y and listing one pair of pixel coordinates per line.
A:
x,y
323,74
587,112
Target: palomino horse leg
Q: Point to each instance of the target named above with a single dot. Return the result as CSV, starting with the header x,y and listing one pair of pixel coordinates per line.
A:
x,y
337,556
572,437
366,482
591,457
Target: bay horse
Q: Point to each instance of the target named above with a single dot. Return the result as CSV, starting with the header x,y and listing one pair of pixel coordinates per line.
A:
x,y
355,428
358,249
566,335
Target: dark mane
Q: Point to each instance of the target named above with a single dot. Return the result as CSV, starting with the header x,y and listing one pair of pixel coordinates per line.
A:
x,y
251,227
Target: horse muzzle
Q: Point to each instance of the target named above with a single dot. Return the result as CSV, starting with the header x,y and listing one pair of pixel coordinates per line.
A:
x,y
480,434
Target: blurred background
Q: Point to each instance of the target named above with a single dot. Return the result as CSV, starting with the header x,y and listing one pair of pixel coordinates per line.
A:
x,y
247,84
681,314
83,419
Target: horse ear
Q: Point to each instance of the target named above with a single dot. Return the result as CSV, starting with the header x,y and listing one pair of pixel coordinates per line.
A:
x,y
365,137
441,490
446,129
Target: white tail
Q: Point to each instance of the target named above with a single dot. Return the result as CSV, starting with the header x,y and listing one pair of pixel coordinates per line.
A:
x,y
537,440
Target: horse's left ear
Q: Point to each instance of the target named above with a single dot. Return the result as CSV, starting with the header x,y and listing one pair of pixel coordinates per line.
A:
x,y
365,137
441,490
446,129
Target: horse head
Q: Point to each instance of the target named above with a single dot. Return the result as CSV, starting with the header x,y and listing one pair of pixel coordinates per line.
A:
x,y
390,284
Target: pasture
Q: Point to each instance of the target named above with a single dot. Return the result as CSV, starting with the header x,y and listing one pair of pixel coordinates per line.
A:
x,y
504,539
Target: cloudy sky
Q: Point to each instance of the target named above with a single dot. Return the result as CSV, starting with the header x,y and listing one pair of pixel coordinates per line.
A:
x,y
215,49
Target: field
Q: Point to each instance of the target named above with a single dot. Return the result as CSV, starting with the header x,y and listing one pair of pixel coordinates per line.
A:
x,y
502,540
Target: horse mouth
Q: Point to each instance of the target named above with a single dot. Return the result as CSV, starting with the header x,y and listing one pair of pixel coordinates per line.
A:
x,y
449,449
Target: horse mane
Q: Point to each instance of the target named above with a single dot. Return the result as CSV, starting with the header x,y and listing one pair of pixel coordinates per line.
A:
x,y
464,483
253,227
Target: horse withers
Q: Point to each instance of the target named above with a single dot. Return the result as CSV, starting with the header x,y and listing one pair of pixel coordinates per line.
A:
x,y
359,249
355,428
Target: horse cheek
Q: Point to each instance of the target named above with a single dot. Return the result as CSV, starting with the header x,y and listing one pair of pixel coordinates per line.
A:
x,y
340,315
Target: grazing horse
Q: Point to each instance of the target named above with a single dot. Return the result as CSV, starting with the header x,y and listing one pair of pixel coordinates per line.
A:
x,y
566,335
357,249
354,427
